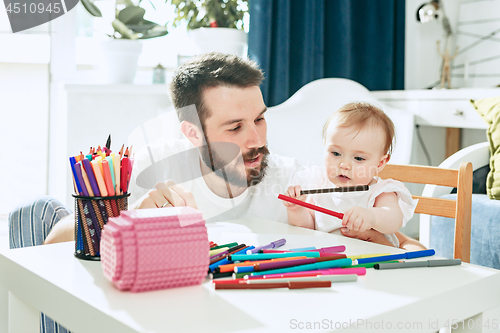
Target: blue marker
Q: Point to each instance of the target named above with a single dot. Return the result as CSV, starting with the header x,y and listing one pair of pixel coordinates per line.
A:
x,y
407,255
304,249
226,261
72,162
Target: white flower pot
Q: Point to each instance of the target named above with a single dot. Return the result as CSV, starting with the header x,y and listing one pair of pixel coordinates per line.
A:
x,y
118,60
225,40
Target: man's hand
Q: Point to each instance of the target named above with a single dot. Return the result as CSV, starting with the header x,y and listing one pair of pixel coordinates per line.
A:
x,y
358,219
294,192
166,194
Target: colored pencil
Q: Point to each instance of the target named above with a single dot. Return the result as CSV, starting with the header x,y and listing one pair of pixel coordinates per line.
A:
x,y
336,189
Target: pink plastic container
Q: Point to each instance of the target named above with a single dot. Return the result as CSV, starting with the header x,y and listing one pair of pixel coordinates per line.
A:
x,y
150,249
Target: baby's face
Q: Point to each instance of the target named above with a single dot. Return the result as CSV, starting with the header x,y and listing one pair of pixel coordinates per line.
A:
x,y
353,157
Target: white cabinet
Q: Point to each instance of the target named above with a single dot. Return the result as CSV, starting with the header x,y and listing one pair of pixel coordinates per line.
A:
x,y
448,113
450,108
441,107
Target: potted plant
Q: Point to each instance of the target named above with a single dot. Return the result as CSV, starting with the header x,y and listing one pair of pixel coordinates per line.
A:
x,y
215,25
121,52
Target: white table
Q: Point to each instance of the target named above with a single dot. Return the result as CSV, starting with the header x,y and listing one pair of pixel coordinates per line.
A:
x,y
450,108
76,294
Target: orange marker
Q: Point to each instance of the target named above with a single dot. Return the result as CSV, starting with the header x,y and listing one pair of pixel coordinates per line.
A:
x,y
99,178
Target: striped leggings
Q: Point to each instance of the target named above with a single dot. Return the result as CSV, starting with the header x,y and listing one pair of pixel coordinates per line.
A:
x,y
29,225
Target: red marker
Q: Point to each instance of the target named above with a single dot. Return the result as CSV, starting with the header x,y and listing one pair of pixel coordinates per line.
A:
x,y
311,206
124,174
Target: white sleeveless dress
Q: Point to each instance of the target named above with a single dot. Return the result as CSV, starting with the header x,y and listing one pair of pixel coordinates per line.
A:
x,y
341,201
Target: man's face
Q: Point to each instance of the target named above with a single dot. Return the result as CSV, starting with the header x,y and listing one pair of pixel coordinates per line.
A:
x,y
237,116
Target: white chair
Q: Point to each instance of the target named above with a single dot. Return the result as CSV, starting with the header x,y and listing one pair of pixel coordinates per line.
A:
x,y
478,155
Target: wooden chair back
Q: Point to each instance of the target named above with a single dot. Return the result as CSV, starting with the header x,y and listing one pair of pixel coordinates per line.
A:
x,y
459,209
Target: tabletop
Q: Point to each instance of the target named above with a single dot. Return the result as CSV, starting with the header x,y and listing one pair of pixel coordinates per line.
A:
x,y
76,294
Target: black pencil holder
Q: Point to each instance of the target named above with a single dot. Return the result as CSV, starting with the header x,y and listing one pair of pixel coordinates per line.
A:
x,y
91,214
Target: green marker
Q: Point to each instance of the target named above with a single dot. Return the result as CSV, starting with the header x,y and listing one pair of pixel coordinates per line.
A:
x,y
240,275
230,245
370,264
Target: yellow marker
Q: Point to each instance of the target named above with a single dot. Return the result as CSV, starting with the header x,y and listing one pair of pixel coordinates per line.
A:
x,y
361,256
217,251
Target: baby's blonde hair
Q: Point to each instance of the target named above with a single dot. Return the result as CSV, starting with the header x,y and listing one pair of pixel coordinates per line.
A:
x,y
360,115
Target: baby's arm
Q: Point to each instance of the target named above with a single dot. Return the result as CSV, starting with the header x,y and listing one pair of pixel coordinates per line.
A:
x,y
297,215
385,216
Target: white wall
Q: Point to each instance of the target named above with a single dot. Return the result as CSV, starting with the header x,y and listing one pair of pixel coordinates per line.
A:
x,y
422,61
478,61
422,70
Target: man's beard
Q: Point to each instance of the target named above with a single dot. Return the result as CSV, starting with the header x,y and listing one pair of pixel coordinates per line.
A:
x,y
218,156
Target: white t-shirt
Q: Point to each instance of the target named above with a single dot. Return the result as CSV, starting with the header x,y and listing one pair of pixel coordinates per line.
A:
x,y
179,161
342,201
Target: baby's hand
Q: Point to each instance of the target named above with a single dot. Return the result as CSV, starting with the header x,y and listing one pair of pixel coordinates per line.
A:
x,y
294,192
358,219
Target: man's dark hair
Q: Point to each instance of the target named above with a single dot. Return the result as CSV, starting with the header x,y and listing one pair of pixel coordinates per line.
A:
x,y
205,71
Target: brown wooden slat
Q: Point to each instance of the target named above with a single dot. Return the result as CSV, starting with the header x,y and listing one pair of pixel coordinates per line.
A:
x,y
460,208
420,174
452,141
464,205
435,206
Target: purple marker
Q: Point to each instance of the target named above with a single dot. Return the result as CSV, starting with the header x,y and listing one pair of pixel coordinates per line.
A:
x,y
285,263
78,172
274,264
272,245
331,249
90,174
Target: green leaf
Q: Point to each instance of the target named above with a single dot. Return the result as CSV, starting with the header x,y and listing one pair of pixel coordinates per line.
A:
x,y
124,31
91,8
142,27
157,31
227,13
132,15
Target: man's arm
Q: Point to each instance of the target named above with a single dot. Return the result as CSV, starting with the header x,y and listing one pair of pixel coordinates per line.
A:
x,y
62,231
165,192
